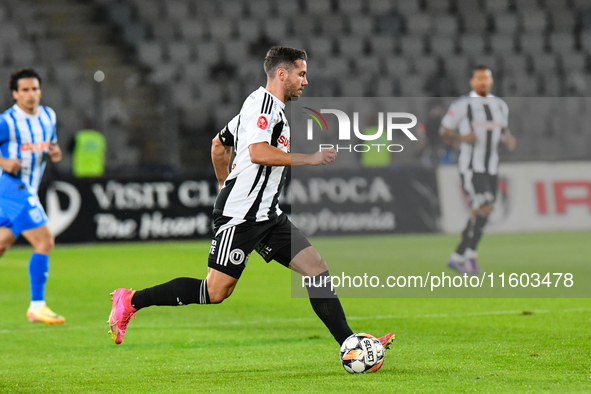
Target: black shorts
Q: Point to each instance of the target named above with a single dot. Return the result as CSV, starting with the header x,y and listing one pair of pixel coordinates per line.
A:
x,y
275,239
480,188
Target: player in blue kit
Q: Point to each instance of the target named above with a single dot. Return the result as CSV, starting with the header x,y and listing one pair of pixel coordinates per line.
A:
x,y
27,139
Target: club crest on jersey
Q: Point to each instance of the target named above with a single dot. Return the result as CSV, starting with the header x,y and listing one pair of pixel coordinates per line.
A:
x,y
262,123
237,256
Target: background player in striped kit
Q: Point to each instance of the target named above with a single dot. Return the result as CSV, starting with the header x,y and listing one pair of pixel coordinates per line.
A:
x,y
27,137
246,212
479,121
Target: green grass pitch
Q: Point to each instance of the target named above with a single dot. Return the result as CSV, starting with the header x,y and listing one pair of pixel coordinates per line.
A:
x,y
261,340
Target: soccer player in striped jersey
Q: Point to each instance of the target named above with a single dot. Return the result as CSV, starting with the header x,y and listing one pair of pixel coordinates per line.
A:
x,y
478,121
27,139
246,212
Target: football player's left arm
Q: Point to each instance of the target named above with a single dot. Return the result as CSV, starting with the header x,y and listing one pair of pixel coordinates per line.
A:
x,y
264,154
508,139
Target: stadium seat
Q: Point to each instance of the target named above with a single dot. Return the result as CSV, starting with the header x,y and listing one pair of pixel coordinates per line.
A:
x,y
419,24
205,10
563,20
318,7
287,8
385,87
506,23
235,51
533,43
351,46
573,62
408,7
180,53
193,72
545,64
502,43
445,25
552,85
177,9
164,73
562,43
350,7
148,10
586,41
397,66
424,65
192,29
437,7
534,21
333,25
380,7
474,22
412,86
458,67
150,53
321,47
368,65
338,65
496,6
443,45
412,45
164,30
383,46
220,29
249,29
10,32
277,28
208,52
362,25
472,44
304,25
232,9
352,87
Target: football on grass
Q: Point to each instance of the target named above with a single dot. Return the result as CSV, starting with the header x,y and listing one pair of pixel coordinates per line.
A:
x,y
361,353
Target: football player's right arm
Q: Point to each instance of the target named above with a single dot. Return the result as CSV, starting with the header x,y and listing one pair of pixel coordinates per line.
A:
x,y
9,165
220,157
450,122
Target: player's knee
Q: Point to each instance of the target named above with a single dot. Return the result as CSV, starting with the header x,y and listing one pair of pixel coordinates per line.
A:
x,y
45,245
3,248
217,297
486,209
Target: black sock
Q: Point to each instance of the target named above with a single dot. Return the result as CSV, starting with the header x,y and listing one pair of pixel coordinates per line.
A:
x,y
467,235
179,291
478,227
327,306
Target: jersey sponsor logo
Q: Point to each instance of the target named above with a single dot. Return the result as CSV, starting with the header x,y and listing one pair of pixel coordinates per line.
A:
x,y
283,141
34,147
237,256
262,123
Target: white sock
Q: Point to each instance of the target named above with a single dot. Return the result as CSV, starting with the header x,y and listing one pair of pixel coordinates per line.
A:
x,y
471,253
37,304
457,258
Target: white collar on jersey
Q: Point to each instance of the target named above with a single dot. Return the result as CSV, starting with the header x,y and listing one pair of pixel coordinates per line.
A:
x,y
24,114
281,103
474,94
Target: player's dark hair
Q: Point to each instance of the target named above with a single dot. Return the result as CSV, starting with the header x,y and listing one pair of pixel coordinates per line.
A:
x,y
479,67
22,74
282,57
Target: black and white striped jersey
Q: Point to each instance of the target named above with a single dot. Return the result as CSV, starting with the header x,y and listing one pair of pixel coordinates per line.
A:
x,y
487,116
251,191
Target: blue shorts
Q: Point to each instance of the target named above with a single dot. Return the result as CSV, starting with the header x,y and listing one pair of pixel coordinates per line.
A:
x,y
20,210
